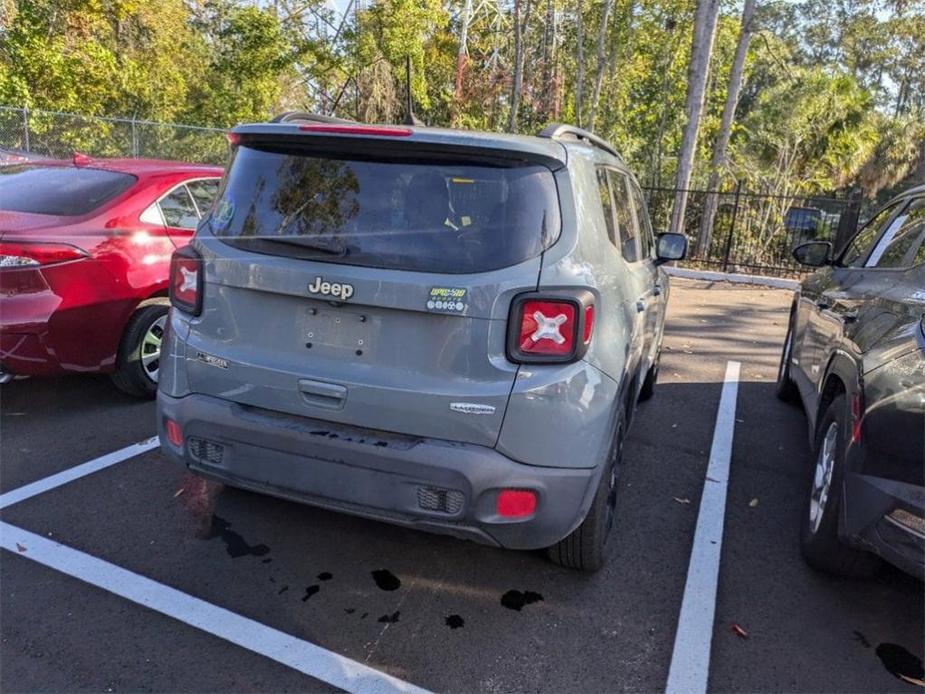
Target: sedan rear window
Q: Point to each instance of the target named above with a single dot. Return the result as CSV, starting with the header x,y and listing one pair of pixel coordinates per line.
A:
x,y
59,190
424,215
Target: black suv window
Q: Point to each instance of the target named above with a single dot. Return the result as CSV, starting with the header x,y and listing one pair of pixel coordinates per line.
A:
x,y
59,190
901,241
423,215
860,245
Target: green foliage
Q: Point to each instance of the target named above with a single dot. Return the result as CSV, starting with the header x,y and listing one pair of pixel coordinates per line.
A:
x,y
833,95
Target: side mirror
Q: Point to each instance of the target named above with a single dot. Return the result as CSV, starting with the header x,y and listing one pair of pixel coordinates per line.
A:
x,y
813,253
670,247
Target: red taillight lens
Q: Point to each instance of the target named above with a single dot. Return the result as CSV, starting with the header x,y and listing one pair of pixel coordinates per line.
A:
x,y
174,432
516,503
186,280
550,327
547,327
15,254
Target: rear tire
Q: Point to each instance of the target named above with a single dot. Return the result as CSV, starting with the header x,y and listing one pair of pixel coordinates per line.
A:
x,y
584,549
819,539
786,388
139,352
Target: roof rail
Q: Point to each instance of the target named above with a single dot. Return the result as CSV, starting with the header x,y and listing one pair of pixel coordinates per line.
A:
x,y
306,117
556,131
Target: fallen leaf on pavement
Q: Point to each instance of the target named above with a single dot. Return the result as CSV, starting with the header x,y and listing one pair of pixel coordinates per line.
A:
x,y
753,503
681,500
738,631
20,548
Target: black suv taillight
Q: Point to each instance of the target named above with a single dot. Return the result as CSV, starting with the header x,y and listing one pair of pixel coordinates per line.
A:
x,y
186,280
550,327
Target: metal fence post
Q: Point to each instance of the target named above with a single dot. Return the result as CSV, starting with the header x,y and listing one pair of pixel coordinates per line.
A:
x,y
25,128
732,227
134,140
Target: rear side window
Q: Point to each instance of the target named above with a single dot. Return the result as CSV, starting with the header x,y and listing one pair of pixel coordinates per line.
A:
x,y
629,231
67,191
646,239
179,210
203,192
424,215
900,244
607,205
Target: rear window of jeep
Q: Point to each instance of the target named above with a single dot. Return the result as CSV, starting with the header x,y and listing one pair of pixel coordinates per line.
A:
x,y
421,215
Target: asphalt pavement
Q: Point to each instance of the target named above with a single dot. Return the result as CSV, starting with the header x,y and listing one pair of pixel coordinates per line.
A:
x,y
445,614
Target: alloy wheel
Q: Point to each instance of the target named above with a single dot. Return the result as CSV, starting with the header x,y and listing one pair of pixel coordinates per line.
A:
x,y
822,477
151,348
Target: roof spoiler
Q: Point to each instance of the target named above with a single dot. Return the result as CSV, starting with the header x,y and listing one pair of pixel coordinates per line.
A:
x,y
559,131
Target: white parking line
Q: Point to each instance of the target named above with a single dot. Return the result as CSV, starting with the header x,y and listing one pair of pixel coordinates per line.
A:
x,y
48,483
690,661
300,655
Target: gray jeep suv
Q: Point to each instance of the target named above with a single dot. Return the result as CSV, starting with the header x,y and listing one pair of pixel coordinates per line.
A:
x,y
442,329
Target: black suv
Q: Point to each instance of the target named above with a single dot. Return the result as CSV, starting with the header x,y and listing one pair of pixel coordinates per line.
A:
x,y
855,357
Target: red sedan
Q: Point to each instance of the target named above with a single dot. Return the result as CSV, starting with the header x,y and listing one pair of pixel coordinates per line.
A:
x,y
85,250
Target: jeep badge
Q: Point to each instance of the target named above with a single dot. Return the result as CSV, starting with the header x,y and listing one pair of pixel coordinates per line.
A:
x,y
334,289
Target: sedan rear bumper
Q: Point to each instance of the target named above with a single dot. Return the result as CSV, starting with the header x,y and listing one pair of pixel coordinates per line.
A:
x,y
439,486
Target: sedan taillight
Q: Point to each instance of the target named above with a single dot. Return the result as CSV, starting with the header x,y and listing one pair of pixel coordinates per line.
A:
x,y
19,254
549,328
186,280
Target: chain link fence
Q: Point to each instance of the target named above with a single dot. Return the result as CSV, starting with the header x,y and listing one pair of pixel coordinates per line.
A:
x,y
59,135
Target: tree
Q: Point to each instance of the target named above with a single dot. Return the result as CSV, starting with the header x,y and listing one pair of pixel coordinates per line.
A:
x,y
701,50
462,55
601,63
718,159
580,58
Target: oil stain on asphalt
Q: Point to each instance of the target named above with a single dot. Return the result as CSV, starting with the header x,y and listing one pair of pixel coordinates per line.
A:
x,y
454,621
325,576
515,600
386,580
310,591
234,543
901,663
389,618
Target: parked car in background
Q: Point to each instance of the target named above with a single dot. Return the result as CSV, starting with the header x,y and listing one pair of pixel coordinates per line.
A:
x,y
443,329
855,357
85,248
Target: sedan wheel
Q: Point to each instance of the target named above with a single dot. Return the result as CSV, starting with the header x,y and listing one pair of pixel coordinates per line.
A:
x,y
151,348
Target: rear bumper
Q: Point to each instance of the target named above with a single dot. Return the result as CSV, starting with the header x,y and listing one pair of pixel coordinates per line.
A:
x,y
374,474
877,518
